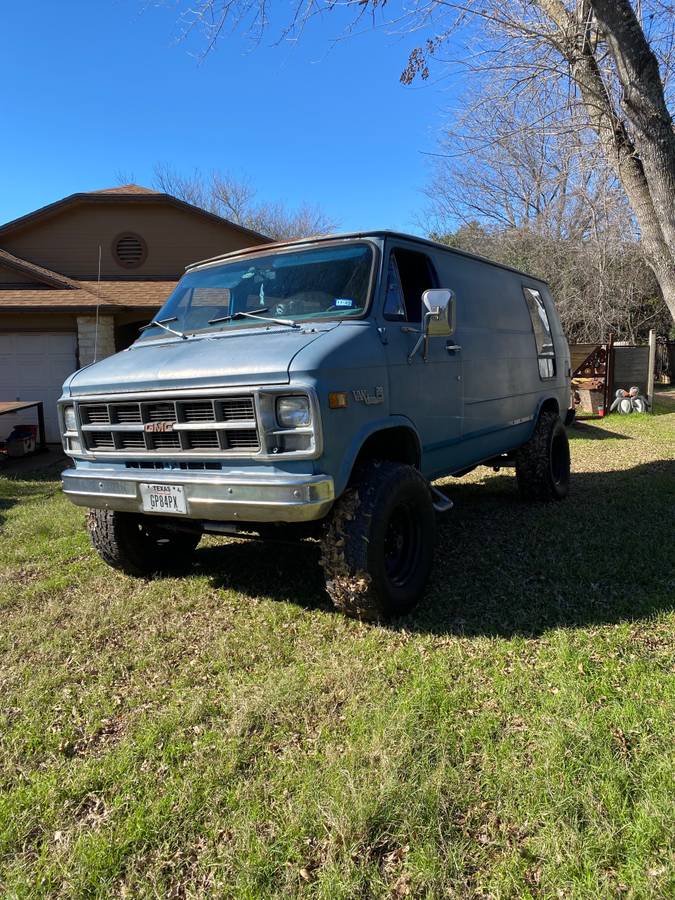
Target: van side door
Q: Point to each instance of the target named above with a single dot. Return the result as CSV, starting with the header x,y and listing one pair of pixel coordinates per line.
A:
x,y
428,392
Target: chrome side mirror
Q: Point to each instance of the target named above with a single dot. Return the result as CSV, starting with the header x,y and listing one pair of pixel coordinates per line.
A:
x,y
440,312
438,319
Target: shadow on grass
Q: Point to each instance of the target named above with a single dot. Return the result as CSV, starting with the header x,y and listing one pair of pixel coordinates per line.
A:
x,y
592,432
289,572
46,465
504,567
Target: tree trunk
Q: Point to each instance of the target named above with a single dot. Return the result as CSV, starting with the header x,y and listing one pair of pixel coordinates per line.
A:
x,y
645,164
646,161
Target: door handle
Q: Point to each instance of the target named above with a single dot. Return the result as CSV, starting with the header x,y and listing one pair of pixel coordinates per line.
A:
x,y
451,348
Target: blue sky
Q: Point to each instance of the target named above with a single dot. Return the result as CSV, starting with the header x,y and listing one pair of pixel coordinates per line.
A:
x,y
95,88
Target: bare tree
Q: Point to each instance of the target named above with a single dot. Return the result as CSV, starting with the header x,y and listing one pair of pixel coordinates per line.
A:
x,y
614,70
601,284
496,167
236,199
545,201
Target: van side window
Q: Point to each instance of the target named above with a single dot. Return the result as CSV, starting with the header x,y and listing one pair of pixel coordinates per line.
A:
x,y
542,332
394,307
409,274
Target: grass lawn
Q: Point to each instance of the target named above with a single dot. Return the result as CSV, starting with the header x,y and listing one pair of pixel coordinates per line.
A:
x,y
226,734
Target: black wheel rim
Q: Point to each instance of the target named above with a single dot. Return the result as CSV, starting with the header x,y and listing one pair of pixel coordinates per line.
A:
x,y
559,459
402,545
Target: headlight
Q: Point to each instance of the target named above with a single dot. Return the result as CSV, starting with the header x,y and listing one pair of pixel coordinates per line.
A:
x,y
293,412
69,418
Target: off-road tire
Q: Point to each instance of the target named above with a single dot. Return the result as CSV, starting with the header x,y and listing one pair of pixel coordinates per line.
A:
x,y
543,463
137,545
360,546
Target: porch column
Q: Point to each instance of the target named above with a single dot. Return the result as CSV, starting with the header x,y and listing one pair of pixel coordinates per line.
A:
x,y
89,343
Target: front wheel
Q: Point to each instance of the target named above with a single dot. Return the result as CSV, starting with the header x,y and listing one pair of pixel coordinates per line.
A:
x,y
137,544
543,463
377,549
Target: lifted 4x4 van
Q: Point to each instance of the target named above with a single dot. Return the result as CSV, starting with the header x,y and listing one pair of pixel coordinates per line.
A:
x,y
318,387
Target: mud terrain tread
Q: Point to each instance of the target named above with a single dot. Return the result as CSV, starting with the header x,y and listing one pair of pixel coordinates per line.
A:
x,y
533,461
345,542
120,543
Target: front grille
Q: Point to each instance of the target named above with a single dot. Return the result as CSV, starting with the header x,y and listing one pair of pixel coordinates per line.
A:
x,y
235,408
127,415
241,439
164,442
160,412
132,440
172,466
195,426
102,440
200,411
95,415
203,440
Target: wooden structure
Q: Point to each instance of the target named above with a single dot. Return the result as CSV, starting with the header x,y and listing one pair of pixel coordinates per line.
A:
x,y
599,370
592,375
7,408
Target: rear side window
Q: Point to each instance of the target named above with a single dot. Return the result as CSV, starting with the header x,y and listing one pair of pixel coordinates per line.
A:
x,y
542,332
409,275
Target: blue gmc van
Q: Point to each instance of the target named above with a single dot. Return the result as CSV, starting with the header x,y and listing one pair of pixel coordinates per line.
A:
x,y
317,388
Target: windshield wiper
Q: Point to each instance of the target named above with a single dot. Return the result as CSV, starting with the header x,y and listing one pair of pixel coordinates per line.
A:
x,y
161,323
253,315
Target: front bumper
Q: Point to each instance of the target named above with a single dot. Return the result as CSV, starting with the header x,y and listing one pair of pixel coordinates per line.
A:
x,y
214,497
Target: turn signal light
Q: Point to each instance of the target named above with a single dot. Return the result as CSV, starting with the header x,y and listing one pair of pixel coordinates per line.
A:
x,y
337,400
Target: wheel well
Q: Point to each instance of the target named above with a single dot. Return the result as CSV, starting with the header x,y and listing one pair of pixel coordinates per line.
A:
x,y
397,444
550,405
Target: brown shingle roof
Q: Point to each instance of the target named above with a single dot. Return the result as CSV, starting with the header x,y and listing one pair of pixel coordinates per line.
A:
x,y
125,189
67,295
112,296
49,300
133,293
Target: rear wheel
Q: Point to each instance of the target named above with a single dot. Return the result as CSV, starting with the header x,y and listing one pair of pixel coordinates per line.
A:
x,y
543,463
139,545
377,549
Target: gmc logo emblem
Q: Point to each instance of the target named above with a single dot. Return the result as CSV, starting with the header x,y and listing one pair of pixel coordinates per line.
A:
x,y
158,426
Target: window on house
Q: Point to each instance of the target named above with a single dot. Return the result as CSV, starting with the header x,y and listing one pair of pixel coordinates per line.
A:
x,y
409,275
542,332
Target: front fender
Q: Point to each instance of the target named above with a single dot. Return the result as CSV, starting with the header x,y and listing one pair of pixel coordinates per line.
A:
x,y
344,472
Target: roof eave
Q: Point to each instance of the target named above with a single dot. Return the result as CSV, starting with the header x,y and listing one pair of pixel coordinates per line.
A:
x,y
89,197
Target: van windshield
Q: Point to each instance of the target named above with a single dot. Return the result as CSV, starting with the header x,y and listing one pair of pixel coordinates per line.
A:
x,y
299,285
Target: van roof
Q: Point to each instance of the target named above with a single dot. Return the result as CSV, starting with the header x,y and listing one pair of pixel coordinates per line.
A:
x,y
354,235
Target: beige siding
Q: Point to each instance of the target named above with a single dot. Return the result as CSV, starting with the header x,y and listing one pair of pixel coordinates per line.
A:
x,y
68,242
13,276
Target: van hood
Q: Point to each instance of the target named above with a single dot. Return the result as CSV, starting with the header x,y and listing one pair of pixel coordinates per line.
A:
x,y
254,355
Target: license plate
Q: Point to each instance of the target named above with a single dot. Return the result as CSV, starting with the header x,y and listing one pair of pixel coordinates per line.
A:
x,y
163,498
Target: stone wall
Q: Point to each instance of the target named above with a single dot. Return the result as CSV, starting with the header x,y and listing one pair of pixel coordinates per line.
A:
x,y
87,341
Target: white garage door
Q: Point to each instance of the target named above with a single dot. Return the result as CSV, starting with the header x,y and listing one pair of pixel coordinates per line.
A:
x,y
34,367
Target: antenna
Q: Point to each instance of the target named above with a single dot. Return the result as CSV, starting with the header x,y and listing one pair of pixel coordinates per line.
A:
x,y
98,303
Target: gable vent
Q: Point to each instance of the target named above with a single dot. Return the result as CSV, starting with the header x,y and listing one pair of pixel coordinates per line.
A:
x,y
129,250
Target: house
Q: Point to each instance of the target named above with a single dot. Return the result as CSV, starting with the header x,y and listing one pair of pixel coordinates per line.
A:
x,y
51,297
